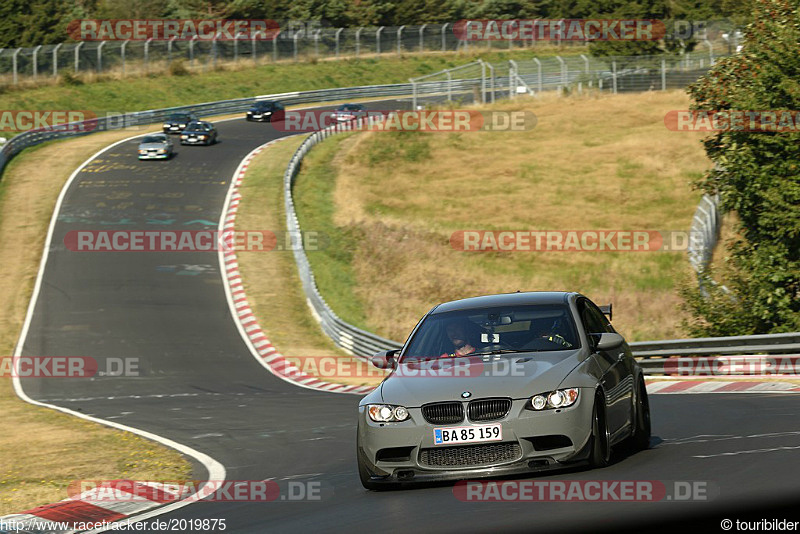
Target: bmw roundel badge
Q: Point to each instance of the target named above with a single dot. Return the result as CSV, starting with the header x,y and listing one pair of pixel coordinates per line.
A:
x,y
466,395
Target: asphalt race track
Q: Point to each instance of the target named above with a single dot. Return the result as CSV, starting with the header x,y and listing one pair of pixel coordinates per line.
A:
x,y
200,386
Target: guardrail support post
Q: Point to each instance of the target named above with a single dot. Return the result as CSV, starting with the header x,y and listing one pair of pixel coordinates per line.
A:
x,y
55,59
338,32
422,37
78,56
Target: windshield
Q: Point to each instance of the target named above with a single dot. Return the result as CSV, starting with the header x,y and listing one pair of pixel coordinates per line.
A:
x,y
154,139
351,107
506,329
178,117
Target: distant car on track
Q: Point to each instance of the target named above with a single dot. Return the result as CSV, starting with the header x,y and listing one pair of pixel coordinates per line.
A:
x,y
177,122
264,110
199,133
348,112
156,146
502,384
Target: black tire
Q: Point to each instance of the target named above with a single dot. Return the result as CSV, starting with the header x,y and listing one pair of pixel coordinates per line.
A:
x,y
600,452
640,438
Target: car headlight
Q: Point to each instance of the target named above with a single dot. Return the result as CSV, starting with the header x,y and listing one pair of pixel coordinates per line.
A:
x,y
142,151
167,125
162,150
184,137
267,113
201,136
387,413
560,398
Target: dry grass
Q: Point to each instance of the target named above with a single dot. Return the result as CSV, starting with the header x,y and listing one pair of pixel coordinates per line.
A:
x,y
270,278
592,163
42,451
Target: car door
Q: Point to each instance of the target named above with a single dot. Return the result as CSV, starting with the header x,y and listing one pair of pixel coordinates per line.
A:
x,y
616,379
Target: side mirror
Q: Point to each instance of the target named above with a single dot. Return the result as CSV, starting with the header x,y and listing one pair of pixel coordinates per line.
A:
x,y
385,359
609,340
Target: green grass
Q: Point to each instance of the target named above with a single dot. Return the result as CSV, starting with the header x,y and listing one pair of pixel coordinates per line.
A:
x,y
333,264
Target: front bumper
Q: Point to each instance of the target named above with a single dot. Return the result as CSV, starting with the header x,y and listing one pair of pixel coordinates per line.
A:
x,y
547,440
154,156
195,141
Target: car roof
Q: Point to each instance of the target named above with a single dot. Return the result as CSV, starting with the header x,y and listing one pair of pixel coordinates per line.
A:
x,y
505,299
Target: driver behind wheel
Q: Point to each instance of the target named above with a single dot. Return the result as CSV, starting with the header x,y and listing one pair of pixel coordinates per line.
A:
x,y
460,334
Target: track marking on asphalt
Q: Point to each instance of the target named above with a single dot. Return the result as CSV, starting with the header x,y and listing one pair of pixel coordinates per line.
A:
x,y
753,451
712,438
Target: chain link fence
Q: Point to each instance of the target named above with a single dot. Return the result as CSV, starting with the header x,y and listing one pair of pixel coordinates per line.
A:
x,y
308,43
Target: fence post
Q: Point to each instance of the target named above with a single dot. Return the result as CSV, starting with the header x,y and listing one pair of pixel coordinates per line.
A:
x,y
563,71
338,32
169,50
444,37
55,59
491,79
253,47
275,47
36,61
413,94
77,56
378,40
100,56
191,50
483,81
147,54
663,74
122,54
399,37
710,51
294,44
539,70
236,47
14,63
358,40
316,43
614,76
512,77
586,63
214,51
422,37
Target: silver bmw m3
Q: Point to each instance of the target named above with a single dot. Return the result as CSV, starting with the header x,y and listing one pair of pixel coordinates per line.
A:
x,y
502,384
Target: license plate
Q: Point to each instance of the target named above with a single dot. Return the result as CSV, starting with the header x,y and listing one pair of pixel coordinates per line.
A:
x,y
467,434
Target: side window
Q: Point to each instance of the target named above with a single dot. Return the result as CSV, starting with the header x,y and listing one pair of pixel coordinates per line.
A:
x,y
594,322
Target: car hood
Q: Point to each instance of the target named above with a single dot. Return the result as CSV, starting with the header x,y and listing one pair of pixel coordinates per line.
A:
x,y
150,146
515,375
196,132
257,110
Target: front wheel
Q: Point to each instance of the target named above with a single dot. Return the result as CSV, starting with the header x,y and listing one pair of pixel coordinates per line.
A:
x,y
600,455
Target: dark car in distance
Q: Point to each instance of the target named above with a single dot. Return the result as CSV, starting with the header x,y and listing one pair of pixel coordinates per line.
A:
x,y
264,111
